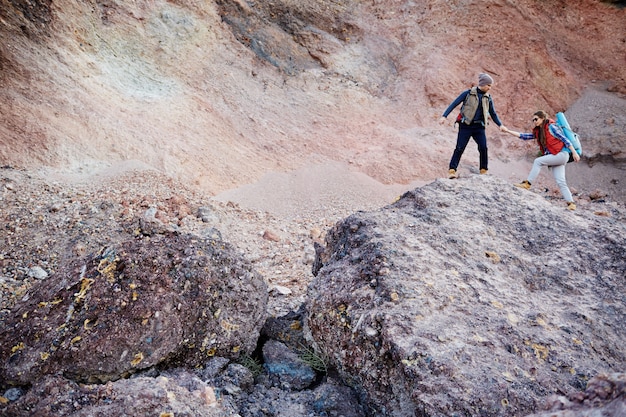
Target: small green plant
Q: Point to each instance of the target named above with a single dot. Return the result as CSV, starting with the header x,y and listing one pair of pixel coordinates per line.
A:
x,y
251,363
316,361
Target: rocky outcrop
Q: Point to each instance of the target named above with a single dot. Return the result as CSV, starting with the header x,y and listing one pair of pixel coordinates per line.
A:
x,y
464,287
604,396
471,297
182,394
164,301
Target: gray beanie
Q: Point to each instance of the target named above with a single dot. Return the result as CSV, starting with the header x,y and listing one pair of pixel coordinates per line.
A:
x,y
484,79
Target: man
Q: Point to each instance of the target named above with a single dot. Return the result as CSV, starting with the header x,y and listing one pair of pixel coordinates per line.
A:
x,y
476,109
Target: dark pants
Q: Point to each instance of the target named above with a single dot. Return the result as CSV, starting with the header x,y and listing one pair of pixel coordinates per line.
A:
x,y
476,131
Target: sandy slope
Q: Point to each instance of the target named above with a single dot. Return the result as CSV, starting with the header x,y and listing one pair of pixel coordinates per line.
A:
x,y
314,190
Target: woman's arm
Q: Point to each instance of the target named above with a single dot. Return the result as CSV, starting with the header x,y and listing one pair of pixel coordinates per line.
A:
x,y
512,132
523,136
558,133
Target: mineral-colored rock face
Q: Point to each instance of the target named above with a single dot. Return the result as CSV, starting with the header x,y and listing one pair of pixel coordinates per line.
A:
x,y
471,297
167,300
605,396
174,395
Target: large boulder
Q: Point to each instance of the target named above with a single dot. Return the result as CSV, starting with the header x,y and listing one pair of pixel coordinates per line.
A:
x,y
471,297
168,300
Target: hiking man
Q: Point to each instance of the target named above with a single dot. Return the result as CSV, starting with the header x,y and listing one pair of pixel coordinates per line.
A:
x,y
476,109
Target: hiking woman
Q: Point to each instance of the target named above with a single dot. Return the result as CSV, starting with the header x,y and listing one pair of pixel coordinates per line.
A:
x,y
475,111
556,151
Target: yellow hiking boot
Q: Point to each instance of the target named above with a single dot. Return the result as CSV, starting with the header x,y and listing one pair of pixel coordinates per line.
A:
x,y
483,171
452,173
524,184
571,205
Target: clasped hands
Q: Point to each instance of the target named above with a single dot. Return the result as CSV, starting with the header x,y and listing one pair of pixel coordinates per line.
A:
x,y
503,128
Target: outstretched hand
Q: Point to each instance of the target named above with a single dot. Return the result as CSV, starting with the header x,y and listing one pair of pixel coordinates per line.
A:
x,y
509,131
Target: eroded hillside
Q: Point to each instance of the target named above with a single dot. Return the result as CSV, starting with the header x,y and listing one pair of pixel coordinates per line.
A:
x,y
218,93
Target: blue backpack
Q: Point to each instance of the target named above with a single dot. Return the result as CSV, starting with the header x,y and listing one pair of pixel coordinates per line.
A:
x,y
573,137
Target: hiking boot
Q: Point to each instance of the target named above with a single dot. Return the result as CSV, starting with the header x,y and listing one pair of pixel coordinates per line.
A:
x,y
452,173
524,184
483,171
571,205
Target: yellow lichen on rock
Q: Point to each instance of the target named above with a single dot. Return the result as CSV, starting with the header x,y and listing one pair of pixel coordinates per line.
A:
x,y
107,267
295,325
228,327
17,347
137,359
541,351
85,284
495,258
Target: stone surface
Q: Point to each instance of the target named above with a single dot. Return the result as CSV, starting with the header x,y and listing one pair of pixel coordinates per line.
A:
x,y
470,297
165,301
183,395
598,117
605,396
285,367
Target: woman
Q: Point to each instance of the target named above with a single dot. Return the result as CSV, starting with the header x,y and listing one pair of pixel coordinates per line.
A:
x,y
476,109
556,151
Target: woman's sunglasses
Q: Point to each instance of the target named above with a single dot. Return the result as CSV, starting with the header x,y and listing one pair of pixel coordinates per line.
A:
x,y
535,119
